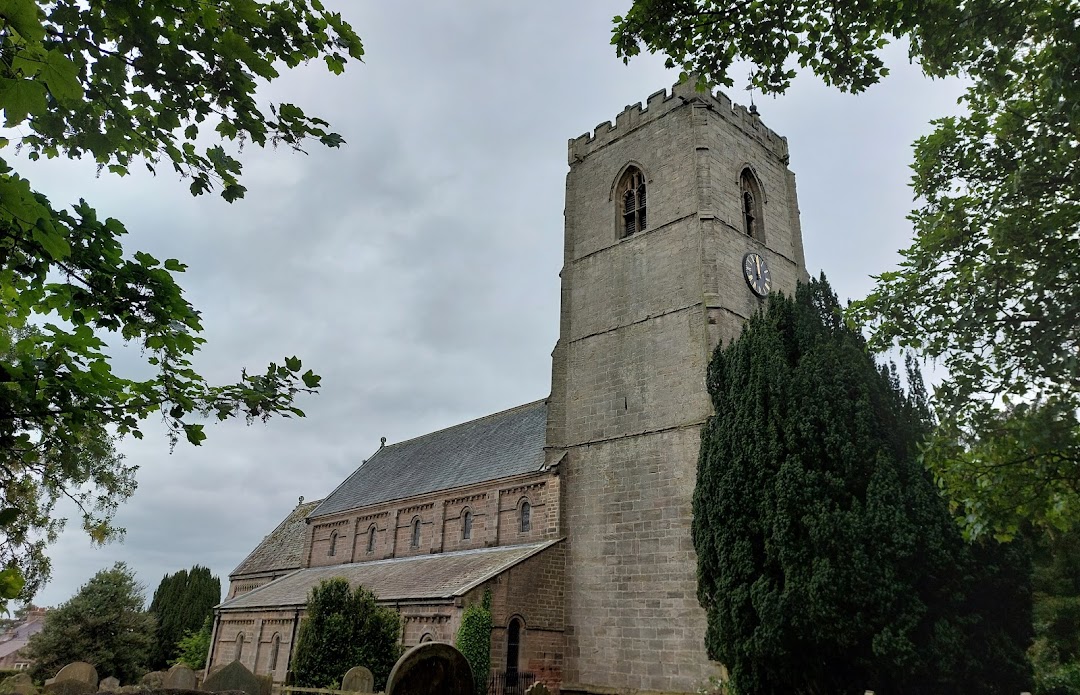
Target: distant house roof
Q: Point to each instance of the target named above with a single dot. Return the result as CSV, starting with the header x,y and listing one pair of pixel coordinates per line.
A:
x,y
18,636
438,576
283,549
496,446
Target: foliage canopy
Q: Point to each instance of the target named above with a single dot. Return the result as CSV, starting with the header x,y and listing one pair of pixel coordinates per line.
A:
x,y
343,628
118,83
827,560
104,624
990,287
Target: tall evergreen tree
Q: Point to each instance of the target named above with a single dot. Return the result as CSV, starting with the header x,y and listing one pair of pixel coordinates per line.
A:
x,y
342,629
827,560
182,603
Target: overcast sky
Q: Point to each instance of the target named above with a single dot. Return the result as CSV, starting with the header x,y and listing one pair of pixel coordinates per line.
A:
x,y
416,269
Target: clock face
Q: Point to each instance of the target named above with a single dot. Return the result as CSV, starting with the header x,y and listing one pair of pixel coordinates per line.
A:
x,y
757,274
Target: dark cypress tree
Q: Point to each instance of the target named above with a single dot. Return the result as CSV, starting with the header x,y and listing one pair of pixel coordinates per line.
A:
x,y
181,604
827,559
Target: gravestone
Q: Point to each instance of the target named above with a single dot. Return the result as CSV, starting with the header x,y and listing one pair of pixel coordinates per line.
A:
x,y
72,687
234,676
181,677
109,684
154,679
358,680
537,689
431,668
79,671
19,684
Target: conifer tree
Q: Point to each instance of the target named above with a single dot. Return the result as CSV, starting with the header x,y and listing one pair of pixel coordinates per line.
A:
x,y
182,603
827,560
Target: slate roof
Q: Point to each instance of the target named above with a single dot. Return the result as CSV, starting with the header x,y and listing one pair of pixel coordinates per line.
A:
x,y
19,636
283,549
438,576
496,446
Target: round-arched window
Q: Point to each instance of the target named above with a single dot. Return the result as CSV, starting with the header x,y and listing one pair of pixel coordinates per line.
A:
x,y
526,516
416,533
466,525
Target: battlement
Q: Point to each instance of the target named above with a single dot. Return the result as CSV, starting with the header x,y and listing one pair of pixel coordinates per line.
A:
x,y
660,103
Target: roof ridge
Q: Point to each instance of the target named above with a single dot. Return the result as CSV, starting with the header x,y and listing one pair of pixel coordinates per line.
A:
x,y
462,424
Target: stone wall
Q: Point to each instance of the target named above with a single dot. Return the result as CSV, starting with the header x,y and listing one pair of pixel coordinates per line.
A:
x,y
495,508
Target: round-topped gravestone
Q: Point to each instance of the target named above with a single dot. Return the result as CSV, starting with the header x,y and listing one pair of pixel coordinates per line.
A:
x,y
108,685
358,679
79,671
431,668
181,677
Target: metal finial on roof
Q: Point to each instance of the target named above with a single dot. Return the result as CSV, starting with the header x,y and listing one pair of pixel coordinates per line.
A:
x,y
301,500
382,442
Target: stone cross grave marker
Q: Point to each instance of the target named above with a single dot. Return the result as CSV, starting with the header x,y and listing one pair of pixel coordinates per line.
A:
x,y
431,668
181,677
359,679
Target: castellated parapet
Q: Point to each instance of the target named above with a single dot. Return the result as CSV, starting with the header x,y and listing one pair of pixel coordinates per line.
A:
x,y
660,103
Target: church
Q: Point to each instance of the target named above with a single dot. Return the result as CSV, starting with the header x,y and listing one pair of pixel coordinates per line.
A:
x,y
573,511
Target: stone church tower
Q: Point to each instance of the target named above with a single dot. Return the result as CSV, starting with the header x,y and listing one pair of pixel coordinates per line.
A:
x,y
673,217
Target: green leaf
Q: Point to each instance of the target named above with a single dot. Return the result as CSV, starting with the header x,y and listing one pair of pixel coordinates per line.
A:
x,y
24,16
292,363
20,99
11,582
54,244
7,516
311,379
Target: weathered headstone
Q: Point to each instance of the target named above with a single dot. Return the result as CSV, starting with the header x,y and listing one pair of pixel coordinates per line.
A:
x,y
181,677
358,679
19,684
431,668
81,672
108,685
234,676
537,689
69,687
154,679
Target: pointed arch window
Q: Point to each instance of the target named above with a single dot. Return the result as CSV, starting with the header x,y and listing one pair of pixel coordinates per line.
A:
x,y
751,199
632,202
333,544
415,533
239,646
466,524
371,539
526,516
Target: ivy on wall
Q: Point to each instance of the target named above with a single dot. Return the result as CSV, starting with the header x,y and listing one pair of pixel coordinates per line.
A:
x,y
474,641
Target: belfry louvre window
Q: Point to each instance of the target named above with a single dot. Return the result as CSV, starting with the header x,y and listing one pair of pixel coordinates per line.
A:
x,y
632,201
753,217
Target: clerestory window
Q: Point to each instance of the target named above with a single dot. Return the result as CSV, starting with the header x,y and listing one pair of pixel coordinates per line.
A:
x,y
415,533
